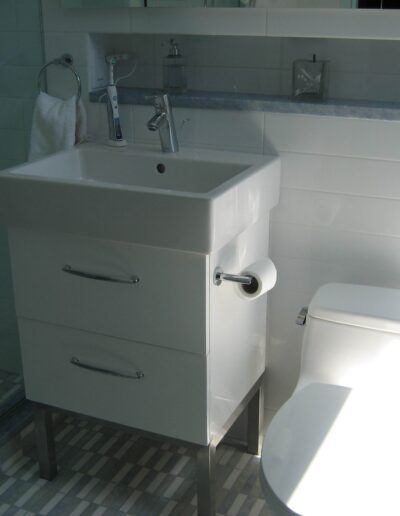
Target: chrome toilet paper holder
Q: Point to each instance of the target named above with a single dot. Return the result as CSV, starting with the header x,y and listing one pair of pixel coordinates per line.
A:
x,y
247,282
220,276
254,281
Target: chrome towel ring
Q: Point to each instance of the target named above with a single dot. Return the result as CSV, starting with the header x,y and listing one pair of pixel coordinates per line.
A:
x,y
65,60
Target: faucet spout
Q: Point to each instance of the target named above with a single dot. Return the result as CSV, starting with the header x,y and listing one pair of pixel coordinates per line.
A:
x,y
163,122
156,121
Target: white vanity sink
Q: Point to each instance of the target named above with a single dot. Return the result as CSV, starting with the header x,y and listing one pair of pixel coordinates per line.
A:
x,y
196,200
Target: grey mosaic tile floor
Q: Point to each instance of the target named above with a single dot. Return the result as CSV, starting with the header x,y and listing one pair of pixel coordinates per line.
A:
x,y
107,472
11,390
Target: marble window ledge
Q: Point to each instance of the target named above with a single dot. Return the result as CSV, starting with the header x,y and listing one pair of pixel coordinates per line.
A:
x,y
256,102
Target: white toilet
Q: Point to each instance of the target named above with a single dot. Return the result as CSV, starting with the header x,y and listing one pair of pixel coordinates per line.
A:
x,y
333,449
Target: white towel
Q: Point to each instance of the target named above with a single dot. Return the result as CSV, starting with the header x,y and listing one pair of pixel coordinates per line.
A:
x,y
57,125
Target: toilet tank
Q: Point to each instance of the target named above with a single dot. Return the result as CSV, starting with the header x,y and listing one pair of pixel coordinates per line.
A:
x,y
352,336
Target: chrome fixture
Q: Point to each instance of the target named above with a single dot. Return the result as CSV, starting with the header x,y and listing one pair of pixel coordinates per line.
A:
x,y
67,61
100,277
220,276
302,316
136,375
163,122
248,283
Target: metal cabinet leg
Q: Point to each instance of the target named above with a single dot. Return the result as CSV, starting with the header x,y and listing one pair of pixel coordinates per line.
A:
x,y
45,442
206,486
255,412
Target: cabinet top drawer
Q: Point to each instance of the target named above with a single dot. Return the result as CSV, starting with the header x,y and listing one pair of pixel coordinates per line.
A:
x,y
146,294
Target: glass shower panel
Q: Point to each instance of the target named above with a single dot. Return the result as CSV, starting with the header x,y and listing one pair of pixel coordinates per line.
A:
x,y
21,56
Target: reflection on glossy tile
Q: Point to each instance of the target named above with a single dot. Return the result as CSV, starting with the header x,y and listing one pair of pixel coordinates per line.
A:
x,y
11,390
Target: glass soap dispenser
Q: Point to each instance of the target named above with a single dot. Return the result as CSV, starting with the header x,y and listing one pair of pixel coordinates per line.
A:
x,y
174,69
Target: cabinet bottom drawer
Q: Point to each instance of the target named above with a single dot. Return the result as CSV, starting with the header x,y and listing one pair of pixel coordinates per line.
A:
x,y
146,387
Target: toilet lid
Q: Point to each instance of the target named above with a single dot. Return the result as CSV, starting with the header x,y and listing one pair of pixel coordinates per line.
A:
x,y
358,305
332,450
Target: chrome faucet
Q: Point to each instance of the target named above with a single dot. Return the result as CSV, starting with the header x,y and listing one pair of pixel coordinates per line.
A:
x,y
163,122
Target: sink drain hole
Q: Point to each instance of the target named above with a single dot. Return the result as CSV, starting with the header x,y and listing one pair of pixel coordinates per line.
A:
x,y
161,168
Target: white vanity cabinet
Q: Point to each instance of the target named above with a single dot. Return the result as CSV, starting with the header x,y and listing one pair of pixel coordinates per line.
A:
x,y
199,347
119,314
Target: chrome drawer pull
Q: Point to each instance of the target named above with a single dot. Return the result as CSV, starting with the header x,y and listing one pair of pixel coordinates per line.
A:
x,y
137,375
68,269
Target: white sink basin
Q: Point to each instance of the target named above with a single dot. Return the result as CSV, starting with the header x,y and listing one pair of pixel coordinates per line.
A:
x,y
194,200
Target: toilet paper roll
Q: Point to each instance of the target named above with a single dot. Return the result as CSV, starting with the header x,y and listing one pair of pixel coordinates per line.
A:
x,y
263,273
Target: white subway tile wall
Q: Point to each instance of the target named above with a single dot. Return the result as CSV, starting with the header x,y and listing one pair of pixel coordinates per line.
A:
x,y
338,219
21,56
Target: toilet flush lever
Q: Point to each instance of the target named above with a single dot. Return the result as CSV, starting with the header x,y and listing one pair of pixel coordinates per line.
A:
x,y
302,316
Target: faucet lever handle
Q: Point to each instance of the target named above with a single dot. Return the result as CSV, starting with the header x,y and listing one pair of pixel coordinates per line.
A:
x,y
302,316
160,101
163,121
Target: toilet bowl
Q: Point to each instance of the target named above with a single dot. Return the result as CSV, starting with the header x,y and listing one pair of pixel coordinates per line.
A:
x,y
333,449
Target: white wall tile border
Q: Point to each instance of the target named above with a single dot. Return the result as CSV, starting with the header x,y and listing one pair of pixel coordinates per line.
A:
x,y
334,136
156,20
236,22
306,275
86,20
342,212
333,23
340,175
346,249
310,22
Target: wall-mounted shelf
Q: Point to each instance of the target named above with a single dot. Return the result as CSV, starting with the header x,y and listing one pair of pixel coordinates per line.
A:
x,y
266,103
